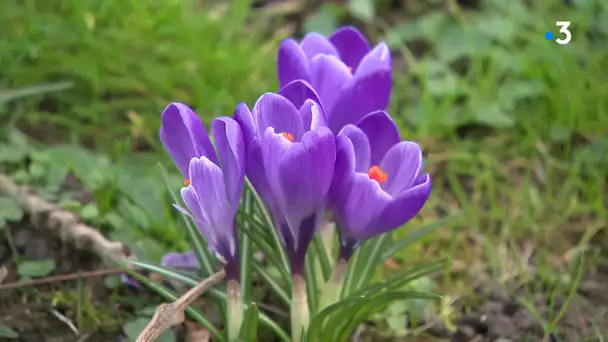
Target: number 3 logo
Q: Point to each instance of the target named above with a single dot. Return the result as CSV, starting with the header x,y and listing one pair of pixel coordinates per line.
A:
x,y
564,29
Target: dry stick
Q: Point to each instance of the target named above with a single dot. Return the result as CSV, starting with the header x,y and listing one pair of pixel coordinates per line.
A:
x,y
172,314
62,277
73,276
51,217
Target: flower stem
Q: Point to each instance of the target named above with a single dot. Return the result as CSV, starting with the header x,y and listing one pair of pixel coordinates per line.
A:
x,y
300,315
331,290
235,310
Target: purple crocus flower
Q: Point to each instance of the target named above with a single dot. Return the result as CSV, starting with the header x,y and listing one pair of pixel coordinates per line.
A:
x,y
182,260
378,181
350,79
214,183
291,157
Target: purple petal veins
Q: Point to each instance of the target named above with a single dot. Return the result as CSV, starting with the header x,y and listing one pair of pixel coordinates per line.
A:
x,y
215,180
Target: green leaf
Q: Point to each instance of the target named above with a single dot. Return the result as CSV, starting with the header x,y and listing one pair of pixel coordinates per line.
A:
x,y
11,154
8,332
135,327
492,115
89,212
12,95
192,281
264,227
249,329
362,267
272,283
363,10
324,20
168,294
352,311
10,209
246,251
194,236
323,258
402,278
311,281
417,235
37,268
342,326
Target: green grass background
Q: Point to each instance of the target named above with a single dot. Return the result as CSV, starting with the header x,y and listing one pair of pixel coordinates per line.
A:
x,y
515,127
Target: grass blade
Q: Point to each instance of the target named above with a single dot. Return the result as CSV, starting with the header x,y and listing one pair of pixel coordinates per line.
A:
x,y
311,282
417,235
274,286
246,252
270,224
321,252
371,257
12,95
249,329
169,295
217,294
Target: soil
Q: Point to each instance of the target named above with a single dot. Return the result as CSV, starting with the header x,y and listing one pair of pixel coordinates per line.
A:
x,y
30,310
501,317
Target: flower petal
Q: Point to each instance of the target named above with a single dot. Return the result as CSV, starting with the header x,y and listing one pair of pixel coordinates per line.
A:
x,y
292,63
230,146
361,147
180,260
378,59
402,208
402,164
305,174
274,110
254,165
365,202
198,215
312,115
184,136
314,44
298,92
381,132
328,74
362,95
351,45
344,169
274,146
207,179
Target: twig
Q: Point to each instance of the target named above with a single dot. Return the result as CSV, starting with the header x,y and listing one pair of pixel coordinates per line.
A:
x,y
172,314
70,276
62,277
49,216
65,320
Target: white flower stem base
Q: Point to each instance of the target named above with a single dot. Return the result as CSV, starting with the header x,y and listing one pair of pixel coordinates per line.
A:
x,y
300,315
235,310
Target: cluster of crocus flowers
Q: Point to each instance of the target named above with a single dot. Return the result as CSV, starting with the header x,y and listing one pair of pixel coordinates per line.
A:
x,y
323,141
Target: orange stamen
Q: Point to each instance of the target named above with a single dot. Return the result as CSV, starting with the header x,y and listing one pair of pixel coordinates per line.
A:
x,y
186,182
288,136
377,174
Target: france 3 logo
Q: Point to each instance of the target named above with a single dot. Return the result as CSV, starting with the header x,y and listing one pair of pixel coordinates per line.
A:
x,y
564,37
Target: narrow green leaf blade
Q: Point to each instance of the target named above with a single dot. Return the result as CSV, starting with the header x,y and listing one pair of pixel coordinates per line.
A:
x,y
417,235
342,325
246,251
274,285
169,295
214,293
249,329
403,278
